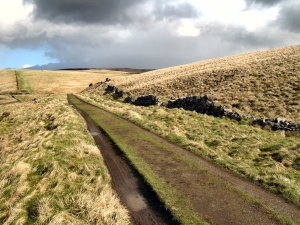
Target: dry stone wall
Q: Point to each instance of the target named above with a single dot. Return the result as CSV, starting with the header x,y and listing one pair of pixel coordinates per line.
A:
x,y
205,105
201,104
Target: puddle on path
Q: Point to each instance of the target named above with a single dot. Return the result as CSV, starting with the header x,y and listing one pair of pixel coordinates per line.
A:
x,y
95,133
135,202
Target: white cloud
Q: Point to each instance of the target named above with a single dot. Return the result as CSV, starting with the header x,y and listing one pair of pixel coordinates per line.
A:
x,y
216,10
253,19
232,12
26,66
13,11
188,29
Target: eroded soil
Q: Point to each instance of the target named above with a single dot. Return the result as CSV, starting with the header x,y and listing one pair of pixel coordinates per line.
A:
x,y
215,193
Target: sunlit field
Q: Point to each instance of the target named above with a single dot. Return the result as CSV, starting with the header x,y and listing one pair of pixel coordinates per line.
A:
x,y
62,81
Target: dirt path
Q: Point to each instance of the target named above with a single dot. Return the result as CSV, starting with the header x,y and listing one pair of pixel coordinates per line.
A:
x,y
135,194
214,192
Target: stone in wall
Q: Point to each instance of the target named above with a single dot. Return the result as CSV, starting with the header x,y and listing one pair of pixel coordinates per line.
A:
x,y
129,99
120,93
111,88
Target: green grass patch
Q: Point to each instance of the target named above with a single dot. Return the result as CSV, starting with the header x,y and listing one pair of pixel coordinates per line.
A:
x,y
23,84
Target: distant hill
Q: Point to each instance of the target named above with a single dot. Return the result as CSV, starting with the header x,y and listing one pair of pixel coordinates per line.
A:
x,y
263,83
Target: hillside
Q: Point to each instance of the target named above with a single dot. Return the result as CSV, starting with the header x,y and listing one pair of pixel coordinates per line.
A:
x,y
263,83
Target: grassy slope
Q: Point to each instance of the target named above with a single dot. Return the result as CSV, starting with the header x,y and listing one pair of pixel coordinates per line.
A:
x,y
7,81
265,83
50,169
271,159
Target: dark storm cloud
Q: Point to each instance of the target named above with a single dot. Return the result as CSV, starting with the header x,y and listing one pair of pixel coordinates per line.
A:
x,y
87,11
182,10
288,18
109,12
20,36
263,3
165,50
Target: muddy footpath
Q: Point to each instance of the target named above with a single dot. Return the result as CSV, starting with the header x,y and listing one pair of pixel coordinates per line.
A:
x,y
144,206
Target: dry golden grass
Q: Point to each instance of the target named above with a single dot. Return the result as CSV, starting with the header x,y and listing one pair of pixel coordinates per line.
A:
x,y
62,81
51,172
264,83
7,81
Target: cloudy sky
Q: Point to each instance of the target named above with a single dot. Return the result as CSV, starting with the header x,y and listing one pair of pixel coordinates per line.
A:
x,y
140,33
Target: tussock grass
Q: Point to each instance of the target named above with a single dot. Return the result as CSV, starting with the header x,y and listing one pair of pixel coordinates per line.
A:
x,y
263,83
51,172
7,81
266,157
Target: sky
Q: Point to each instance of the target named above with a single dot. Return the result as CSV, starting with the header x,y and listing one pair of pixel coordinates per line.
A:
x,y
146,34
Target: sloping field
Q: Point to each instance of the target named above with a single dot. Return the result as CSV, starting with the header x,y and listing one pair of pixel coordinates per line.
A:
x,y
264,83
7,81
62,81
